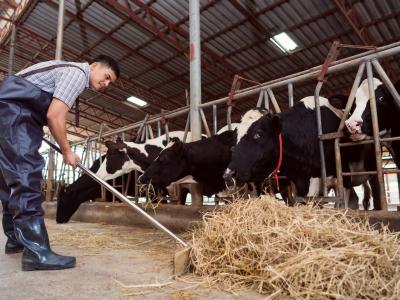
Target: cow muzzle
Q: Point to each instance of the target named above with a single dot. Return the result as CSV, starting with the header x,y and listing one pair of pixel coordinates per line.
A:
x,y
229,177
355,130
354,127
142,179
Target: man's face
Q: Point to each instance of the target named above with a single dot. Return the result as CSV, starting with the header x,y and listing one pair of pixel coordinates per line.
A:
x,y
100,76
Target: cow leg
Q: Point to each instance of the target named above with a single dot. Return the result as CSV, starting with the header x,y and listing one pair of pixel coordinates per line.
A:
x,y
375,192
394,146
314,187
352,199
367,195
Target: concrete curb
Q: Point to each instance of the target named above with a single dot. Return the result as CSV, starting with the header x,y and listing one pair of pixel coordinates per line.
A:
x,y
177,218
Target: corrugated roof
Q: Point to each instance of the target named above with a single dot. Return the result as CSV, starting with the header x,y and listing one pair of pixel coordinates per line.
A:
x,y
150,41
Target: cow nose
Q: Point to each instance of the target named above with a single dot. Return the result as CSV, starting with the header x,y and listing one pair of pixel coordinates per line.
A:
x,y
354,126
140,179
228,177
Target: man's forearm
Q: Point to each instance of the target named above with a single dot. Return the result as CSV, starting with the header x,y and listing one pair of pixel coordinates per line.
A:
x,y
59,132
56,119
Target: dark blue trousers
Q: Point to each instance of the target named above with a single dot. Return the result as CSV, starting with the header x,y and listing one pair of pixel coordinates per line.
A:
x,y
23,110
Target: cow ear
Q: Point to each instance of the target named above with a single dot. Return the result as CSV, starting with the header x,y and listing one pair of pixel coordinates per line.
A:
x,y
276,123
108,143
175,140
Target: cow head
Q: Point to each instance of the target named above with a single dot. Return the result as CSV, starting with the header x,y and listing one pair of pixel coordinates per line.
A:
x,y
168,166
257,153
359,123
114,161
247,119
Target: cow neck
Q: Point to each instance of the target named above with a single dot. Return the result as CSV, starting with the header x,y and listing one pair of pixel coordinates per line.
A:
x,y
278,166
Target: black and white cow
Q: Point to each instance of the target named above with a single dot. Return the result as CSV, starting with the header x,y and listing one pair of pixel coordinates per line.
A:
x,y
124,157
121,159
257,152
205,160
360,122
83,189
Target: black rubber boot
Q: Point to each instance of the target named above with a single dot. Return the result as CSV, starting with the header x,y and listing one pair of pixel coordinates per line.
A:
x,y
12,244
37,254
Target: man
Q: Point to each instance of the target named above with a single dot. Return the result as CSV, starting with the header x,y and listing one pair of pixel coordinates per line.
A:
x,y
39,95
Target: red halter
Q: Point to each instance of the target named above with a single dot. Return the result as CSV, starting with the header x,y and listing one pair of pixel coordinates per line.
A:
x,y
276,171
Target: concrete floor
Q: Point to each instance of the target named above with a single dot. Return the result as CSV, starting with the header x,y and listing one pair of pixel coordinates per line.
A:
x,y
132,256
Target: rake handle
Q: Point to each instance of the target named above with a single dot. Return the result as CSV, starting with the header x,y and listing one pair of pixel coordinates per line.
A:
x,y
153,221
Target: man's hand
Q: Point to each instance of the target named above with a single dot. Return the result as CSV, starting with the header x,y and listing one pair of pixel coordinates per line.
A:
x,y
71,158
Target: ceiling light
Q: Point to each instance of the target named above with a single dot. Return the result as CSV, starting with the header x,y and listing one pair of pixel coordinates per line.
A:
x,y
284,42
137,101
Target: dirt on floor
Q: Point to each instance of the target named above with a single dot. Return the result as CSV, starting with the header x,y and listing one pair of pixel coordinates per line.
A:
x,y
113,262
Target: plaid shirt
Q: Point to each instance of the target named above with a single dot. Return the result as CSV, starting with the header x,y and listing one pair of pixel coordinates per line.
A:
x,y
65,83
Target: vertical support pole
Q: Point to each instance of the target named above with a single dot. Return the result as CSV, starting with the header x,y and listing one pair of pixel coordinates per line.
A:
x,y
12,47
195,69
228,117
339,174
50,170
320,142
136,186
375,130
263,98
150,131
398,184
273,100
60,30
215,123
166,132
158,128
352,95
204,120
387,82
50,173
290,93
186,127
266,100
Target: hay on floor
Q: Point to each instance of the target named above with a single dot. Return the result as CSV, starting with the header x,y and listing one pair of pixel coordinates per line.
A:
x,y
299,252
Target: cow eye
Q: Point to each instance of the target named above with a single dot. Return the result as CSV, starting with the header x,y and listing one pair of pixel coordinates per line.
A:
x,y
257,135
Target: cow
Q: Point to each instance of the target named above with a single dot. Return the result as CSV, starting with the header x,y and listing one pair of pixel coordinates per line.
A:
x,y
124,157
205,160
121,158
258,150
359,124
83,189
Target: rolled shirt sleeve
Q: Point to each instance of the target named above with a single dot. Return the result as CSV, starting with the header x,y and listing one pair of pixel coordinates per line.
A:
x,y
69,84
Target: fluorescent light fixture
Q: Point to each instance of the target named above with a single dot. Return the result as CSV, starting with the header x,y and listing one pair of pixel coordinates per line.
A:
x,y
137,101
284,42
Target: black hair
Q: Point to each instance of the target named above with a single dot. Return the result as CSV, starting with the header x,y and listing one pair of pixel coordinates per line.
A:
x,y
109,62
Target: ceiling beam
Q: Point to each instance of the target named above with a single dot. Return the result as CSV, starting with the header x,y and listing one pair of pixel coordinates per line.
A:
x,y
106,35
349,12
174,36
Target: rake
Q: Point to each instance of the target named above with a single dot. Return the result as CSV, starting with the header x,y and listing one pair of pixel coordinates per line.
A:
x,y
181,256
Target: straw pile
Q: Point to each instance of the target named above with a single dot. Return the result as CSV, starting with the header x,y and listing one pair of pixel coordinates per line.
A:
x,y
296,252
